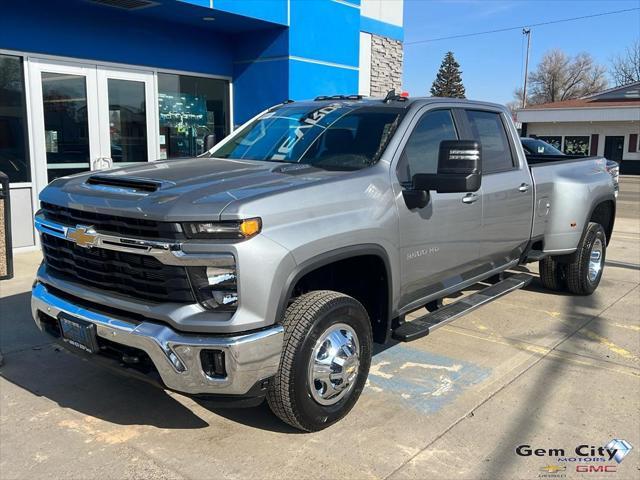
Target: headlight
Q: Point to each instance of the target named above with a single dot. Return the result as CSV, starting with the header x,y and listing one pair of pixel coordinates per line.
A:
x,y
216,288
227,229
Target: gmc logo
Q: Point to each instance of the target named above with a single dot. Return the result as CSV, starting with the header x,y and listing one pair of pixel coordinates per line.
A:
x,y
596,468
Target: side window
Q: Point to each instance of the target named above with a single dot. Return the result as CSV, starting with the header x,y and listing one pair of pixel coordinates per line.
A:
x,y
488,129
420,154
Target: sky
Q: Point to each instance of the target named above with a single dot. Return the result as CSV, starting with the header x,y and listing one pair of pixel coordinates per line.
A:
x,y
492,65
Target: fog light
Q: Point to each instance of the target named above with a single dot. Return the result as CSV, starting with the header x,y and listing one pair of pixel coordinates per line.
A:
x,y
213,363
215,288
221,276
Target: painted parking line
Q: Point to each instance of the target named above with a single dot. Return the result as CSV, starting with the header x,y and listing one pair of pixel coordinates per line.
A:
x,y
422,380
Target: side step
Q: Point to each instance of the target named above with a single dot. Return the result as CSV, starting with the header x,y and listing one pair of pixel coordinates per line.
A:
x,y
423,326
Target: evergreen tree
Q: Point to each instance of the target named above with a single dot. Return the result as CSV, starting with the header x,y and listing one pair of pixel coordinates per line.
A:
x,y
448,82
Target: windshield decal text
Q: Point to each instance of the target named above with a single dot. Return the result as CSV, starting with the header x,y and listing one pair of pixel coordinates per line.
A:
x,y
298,132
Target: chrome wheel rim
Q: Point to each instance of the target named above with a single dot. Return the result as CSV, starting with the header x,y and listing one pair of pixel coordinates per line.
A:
x,y
334,364
595,260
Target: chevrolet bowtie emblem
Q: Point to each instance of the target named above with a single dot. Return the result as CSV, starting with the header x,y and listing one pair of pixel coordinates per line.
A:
x,y
84,237
553,468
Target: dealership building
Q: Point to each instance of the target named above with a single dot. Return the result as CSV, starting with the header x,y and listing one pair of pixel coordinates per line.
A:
x,y
606,124
89,84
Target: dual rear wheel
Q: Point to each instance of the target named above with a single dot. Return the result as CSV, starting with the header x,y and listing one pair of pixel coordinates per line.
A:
x,y
581,272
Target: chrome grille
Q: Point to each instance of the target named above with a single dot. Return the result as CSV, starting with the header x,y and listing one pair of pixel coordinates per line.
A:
x,y
129,274
110,224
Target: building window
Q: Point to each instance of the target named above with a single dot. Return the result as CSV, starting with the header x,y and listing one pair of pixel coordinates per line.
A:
x,y
14,152
576,145
551,140
191,108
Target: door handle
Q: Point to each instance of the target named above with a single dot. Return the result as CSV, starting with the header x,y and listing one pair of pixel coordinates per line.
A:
x,y
523,187
102,163
470,198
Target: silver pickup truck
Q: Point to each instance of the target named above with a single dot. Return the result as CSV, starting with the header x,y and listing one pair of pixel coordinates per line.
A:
x,y
269,266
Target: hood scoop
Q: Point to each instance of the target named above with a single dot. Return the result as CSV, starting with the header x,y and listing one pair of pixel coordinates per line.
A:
x,y
133,184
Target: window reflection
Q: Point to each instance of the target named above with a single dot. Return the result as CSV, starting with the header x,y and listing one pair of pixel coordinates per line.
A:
x,y
127,121
14,156
190,109
66,126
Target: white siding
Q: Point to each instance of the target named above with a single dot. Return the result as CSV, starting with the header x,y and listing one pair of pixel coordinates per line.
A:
x,y
21,217
388,11
603,129
364,79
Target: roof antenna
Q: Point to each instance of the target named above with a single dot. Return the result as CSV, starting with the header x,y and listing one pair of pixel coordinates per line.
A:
x,y
391,94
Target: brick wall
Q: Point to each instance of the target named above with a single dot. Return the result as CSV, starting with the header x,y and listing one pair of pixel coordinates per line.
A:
x,y
386,65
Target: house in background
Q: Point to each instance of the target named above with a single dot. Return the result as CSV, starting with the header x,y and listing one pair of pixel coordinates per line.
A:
x,y
607,123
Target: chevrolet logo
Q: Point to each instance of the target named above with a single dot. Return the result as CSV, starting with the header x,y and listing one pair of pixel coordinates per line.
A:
x,y
554,468
84,237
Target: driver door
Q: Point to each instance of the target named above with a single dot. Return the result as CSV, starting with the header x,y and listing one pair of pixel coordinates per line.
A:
x,y
440,243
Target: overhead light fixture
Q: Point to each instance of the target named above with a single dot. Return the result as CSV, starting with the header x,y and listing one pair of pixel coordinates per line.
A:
x,y
208,19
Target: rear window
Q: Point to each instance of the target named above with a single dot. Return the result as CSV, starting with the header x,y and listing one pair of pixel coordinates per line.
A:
x,y
488,129
533,146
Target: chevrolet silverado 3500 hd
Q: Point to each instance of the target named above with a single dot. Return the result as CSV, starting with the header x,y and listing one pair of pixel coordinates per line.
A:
x,y
270,265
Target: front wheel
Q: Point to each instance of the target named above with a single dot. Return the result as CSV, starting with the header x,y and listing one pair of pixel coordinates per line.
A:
x,y
587,263
325,360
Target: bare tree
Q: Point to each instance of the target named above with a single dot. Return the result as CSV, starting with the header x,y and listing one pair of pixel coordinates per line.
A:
x,y
625,68
560,77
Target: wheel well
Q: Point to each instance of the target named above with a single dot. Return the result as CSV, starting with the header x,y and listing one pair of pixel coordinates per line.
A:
x,y
362,277
605,214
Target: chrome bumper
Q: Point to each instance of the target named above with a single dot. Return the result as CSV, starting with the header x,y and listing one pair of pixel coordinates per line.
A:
x,y
249,357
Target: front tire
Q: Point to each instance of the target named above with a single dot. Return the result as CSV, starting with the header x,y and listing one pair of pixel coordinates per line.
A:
x,y
587,263
325,360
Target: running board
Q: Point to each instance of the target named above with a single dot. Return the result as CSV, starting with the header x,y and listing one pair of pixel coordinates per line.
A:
x,y
423,326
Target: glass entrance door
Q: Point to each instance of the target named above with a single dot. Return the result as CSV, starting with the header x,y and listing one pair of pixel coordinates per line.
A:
x,y
88,117
65,106
127,111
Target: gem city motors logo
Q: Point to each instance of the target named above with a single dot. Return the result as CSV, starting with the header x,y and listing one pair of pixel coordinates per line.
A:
x,y
589,458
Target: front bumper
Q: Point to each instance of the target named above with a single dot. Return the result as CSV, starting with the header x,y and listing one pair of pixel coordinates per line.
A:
x,y
249,357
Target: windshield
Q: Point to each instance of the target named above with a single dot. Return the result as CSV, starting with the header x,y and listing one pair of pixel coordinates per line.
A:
x,y
533,146
338,136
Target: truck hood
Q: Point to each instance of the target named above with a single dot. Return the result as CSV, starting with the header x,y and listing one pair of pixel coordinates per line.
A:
x,y
179,190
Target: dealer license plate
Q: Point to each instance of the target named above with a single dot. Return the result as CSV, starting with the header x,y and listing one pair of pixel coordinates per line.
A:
x,y
79,333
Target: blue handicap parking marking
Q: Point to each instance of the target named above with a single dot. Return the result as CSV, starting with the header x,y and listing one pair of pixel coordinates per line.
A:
x,y
425,381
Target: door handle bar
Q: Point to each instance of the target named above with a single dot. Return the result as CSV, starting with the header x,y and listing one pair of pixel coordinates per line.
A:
x,y
523,187
470,198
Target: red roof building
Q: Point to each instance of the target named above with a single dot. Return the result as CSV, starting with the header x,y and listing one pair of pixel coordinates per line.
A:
x,y
607,123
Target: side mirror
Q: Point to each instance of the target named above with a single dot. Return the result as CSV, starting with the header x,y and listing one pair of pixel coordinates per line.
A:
x,y
459,169
209,141
415,198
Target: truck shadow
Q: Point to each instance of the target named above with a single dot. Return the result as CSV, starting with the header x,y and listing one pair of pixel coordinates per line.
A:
x,y
527,420
33,363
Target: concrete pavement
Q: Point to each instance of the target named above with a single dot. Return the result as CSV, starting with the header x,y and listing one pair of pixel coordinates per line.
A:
x,y
552,371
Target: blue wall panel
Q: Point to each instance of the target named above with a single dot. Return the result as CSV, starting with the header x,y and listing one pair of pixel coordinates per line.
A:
x,y
261,44
259,85
108,34
308,80
269,10
325,30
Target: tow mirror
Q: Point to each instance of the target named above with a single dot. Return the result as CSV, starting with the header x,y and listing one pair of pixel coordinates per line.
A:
x,y
209,141
415,198
459,169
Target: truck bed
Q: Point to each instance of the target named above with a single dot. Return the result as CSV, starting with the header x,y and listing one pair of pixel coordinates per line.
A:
x,y
565,191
